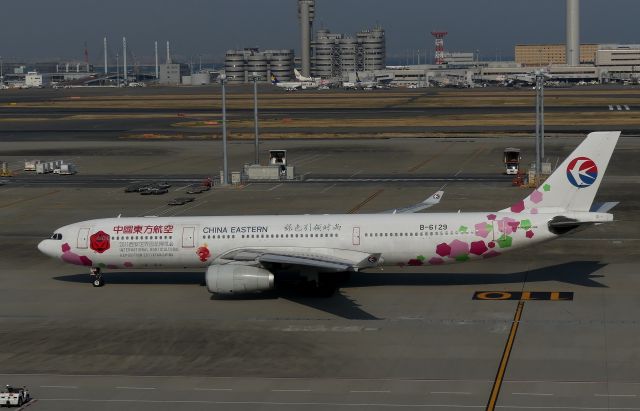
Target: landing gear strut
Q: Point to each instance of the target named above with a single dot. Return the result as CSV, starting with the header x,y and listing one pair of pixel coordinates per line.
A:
x,y
97,277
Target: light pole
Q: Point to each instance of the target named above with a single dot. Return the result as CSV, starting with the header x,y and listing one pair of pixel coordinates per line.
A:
x,y
117,69
225,167
539,124
255,114
541,117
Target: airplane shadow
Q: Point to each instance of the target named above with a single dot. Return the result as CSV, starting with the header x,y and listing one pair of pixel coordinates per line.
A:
x,y
579,273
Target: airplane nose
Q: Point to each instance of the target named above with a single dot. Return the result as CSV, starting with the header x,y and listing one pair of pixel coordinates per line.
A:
x,y
45,247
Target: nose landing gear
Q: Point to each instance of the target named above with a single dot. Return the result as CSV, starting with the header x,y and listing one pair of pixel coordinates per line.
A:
x,y
97,277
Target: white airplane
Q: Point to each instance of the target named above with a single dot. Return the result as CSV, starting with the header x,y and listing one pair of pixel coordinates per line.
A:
x,y
246,254
294,85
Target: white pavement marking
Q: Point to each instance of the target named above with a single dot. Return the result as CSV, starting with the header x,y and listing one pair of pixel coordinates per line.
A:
x,y
618,107
281,403
274,187
626,107
136,388
355,174
213,389
148,212
186,209
59,386
532,393
615,395
368,391
327,188
182,188
290,390
610,107
451,392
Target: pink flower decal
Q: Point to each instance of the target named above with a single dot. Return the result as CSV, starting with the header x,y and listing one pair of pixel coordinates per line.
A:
x,y
414,262
529,234
443,249
73,258
491,244
518,207
481,230
458,248
491,254
436,261
506,225
536,197
478,247
534,211
491,216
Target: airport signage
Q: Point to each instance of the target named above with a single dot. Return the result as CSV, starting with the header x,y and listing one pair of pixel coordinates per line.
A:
x,y
523,295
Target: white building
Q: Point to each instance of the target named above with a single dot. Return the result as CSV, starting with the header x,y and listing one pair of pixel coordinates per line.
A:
x,y
34,79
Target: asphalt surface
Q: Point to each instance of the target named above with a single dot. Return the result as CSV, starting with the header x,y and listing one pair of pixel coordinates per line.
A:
x,y
394,338
48,120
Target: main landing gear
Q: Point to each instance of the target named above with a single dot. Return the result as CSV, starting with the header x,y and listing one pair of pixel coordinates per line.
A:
x,y
98,281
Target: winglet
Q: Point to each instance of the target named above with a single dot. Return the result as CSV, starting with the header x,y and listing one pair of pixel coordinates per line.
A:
x,y
434,199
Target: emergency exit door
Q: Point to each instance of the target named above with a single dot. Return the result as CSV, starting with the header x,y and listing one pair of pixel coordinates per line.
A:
x,y
356,235
188,240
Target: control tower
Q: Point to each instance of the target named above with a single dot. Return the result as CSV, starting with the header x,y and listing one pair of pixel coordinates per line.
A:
x,y
306,14
573,32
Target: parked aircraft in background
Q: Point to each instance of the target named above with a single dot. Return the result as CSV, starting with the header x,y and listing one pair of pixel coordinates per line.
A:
x,y
294,85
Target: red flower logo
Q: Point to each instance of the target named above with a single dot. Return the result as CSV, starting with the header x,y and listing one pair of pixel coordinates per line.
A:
x,y
100,242
203,252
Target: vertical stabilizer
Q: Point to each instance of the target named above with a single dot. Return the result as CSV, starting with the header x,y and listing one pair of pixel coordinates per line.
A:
x,y
574,184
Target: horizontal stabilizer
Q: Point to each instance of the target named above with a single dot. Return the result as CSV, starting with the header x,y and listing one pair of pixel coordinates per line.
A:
x,y
603,207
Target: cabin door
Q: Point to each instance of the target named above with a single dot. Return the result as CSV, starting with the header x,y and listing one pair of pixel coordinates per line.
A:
x,y
356,236
83,238
188,237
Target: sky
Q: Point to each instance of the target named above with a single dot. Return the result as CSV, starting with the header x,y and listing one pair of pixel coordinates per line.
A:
x,y
45,29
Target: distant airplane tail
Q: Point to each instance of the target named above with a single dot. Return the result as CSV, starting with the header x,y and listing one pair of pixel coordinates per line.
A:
x,y
274,79
574,184
297,74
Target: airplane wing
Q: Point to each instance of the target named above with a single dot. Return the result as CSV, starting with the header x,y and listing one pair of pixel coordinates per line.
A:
x,y
323,259
429,202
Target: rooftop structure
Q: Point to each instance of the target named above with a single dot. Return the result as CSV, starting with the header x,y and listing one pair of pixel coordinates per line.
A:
x,y
241,66
335,55
536,55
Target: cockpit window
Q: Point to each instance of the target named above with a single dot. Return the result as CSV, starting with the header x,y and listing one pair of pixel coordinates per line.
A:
x,y
56,236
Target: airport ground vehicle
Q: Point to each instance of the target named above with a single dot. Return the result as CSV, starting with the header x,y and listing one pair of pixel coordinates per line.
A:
x,y
196,190
14,396
153,190
511,160
181,201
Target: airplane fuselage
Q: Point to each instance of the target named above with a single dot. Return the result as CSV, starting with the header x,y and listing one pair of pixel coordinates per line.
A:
x,y
195,242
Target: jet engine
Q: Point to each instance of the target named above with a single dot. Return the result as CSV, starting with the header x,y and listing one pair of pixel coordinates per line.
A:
x,y
237,279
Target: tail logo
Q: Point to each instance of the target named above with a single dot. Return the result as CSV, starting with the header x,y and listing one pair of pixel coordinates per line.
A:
x,y
582,172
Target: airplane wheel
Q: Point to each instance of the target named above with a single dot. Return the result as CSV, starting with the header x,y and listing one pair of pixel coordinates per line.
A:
x,y
326,287
98,282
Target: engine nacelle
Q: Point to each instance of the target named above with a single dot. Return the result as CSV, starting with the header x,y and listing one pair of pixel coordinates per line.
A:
x,y
237,279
